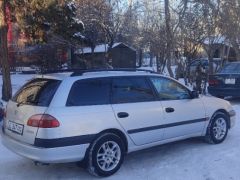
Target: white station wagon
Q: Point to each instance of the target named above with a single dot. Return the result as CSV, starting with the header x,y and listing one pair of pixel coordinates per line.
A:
x,y
100,116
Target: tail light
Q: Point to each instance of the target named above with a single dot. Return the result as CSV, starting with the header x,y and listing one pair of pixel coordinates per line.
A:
x,y
213,82
43,121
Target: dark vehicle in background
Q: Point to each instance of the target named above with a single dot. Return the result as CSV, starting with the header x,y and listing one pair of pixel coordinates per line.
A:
x,y
205,64
191,66
226,82
1,111
196,62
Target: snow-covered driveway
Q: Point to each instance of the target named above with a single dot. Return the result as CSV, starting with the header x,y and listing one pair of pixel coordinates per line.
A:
x,y
185,160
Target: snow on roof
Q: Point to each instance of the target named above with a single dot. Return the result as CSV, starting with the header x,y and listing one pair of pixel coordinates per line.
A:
x,y
98,49
78,21
117,44
71,5
79,35
101,48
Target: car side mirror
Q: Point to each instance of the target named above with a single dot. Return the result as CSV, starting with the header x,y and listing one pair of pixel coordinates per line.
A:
x,y
194,94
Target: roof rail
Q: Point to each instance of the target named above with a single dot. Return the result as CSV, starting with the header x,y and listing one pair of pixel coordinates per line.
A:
x,y
81,72
58,71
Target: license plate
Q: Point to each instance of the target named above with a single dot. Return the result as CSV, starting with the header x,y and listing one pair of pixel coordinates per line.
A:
x,y
230,81
15,127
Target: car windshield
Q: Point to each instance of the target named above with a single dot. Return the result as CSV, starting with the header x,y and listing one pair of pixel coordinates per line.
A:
x,y
231,68
37,92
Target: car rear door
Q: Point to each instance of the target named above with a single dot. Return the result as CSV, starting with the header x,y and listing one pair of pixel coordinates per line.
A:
x,y
33,98
85,111
226,82
183,115
229,76
137,110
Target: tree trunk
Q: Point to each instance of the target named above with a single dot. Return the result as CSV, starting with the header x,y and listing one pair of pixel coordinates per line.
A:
x,y
140,57
228,52
6,88
158,63
108,49
92,63
210,59
237,50
151,60
169,37
169,68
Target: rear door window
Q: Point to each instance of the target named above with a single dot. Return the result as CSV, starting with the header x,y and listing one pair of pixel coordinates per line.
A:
x,y
131,89
38,92
89,92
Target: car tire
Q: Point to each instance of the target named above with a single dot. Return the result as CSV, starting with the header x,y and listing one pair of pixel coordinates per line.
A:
x,y
217,129
106,155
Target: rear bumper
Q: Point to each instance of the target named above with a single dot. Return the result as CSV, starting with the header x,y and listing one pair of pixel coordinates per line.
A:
x,y
234,92
45,155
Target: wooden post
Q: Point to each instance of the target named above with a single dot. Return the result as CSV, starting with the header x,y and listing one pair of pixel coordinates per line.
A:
x,y
6,88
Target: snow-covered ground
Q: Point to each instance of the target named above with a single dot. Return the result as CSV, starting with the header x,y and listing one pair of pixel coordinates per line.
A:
x,y
191,159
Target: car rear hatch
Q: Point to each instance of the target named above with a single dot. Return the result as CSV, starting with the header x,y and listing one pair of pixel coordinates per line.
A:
x,y
227,77
224,80
32,99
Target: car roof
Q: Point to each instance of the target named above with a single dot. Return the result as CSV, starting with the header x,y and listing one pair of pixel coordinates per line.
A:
x,y
101,74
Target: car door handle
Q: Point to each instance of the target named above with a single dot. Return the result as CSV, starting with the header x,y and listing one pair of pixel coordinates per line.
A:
x,y
169,110
122,114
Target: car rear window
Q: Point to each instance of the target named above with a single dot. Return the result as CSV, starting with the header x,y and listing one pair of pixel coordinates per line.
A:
x,y
38,92
231,68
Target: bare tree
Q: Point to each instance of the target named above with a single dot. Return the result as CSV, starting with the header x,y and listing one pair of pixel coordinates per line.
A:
x,y
190,37
209,17
230,23
94,15
151,32
169,36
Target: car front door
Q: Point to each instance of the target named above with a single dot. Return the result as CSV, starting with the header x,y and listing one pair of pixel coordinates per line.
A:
x,y
137,109
183,115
